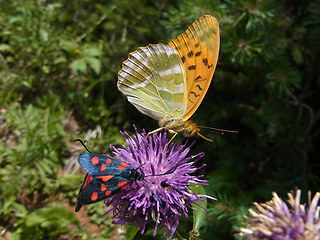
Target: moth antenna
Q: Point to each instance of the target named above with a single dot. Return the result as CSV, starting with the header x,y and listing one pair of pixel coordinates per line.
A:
x,y
146,185
140,166
222,131
169,172
83,144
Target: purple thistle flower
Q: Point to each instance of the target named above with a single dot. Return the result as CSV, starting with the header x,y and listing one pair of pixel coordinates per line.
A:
x,y
164,195
274,220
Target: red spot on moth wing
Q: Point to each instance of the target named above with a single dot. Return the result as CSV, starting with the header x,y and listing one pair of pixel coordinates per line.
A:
x,y
108,161
103,167
125,164
88,179
103,187
120,167
108,193
94,196
125,186
95,160
121,183
105,178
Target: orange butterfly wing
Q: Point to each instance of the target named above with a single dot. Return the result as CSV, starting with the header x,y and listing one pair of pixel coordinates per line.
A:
x,y
198,48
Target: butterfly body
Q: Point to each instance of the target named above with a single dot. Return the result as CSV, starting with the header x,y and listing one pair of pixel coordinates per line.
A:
x,y
188,128
104,177
168,82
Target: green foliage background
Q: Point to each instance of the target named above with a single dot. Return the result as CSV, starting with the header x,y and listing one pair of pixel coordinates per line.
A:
x,y
58,71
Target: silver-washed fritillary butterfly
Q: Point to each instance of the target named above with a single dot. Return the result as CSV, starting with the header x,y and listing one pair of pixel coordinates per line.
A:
x,y
168,82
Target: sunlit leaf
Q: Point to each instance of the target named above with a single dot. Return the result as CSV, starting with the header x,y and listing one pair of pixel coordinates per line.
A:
x,y
198,213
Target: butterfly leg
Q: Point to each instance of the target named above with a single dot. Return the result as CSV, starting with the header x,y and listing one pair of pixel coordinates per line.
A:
x,y
154,131
205,138
174,135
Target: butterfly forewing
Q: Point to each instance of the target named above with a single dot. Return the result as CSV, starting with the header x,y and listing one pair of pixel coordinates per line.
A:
x,y
153,79
198,48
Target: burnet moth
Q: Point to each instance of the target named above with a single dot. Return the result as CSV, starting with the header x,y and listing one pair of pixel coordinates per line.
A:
x,y
105,176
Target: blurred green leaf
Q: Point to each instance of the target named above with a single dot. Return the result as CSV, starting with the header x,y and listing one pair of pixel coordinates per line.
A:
x,y
132,231
95,64
92,52
5,47
79,65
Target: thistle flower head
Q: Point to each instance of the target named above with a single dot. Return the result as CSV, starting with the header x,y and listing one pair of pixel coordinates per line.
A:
x,y
275,220
163,195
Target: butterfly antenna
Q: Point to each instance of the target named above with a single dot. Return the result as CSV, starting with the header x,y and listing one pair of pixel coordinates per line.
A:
x,y
222,131
83,144
155,195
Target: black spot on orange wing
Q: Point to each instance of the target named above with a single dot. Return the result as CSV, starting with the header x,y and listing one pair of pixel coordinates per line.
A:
x,y
198,54
199,79
197,45
192,67
196,95
205,61
190,54
183,59
199,87
210,66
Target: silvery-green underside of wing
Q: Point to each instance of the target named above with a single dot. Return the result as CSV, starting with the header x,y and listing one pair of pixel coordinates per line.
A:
x,y
153,79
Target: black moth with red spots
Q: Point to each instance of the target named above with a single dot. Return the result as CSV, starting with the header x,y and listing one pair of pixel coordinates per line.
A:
x,y
105,177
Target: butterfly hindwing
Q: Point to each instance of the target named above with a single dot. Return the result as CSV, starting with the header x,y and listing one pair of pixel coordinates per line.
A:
x,y
153,79
96,165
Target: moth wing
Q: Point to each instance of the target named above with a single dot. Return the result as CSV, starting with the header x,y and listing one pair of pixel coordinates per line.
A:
x,y
97,165
86,180
95,189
